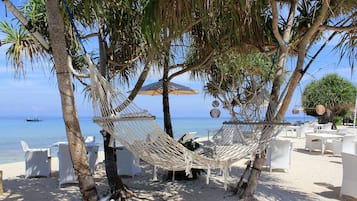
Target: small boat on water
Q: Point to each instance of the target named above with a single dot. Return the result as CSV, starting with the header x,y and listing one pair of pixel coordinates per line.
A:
x,y
34,119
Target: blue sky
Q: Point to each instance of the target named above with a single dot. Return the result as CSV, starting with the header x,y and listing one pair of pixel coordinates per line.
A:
x,y
37,93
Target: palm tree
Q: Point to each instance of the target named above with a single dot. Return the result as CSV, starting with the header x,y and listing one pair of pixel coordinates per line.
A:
x,y
22,44
261,27
64,79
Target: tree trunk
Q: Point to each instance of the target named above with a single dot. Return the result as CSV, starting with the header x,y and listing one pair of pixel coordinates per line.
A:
x,y
294,80
165,98
115,183
75,140
248,193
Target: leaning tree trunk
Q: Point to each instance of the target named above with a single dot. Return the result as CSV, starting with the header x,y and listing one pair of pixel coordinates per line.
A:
x,y
75,140
253,179
294,79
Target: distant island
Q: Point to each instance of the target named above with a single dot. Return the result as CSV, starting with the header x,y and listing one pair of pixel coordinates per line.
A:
x,y
35,119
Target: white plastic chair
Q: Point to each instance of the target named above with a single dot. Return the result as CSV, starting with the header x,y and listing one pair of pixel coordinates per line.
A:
x,y
126,162
349,179
279,154
37,161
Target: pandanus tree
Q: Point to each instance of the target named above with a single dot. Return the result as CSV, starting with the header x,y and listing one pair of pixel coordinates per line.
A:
x,y
241,83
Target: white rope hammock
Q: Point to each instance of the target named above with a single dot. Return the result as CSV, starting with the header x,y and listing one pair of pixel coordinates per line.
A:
x,y
139,132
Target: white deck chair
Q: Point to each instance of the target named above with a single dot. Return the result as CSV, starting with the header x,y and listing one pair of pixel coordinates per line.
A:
x,y
37,162
126,162
279,154
349,179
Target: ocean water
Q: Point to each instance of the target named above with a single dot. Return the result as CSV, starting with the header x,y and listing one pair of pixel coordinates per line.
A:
x,y
51,130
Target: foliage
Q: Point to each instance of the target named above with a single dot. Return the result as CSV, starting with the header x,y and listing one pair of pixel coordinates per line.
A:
x,y
21,45
239,80
332,91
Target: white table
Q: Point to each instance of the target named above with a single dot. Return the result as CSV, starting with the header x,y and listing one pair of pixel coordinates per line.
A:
x,y
323,137
329,131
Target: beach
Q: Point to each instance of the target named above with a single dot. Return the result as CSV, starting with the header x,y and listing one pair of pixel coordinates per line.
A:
x,y
311,176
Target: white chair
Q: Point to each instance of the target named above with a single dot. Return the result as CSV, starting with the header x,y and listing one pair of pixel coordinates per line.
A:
x,y
66,171
279,154
126,162
312,143
92,153
349,179
345,145
37,161
300,131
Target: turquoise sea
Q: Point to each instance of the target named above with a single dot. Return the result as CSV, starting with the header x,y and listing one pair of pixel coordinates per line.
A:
x,y
51,129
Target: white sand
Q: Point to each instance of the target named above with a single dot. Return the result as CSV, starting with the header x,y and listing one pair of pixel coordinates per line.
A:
x,y
312,176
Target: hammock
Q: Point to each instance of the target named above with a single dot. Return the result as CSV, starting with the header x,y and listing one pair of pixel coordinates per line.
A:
x,y
138,131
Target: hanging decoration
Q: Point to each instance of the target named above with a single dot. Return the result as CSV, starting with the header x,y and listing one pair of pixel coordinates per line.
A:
x,y
320,109
295,111
215,112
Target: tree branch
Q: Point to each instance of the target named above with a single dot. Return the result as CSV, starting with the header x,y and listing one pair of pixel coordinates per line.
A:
x,y
192,66
339,29
90,35
74,72
275,23
125,64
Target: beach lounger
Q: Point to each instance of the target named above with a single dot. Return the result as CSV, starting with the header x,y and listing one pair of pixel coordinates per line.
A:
x,y
37,161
